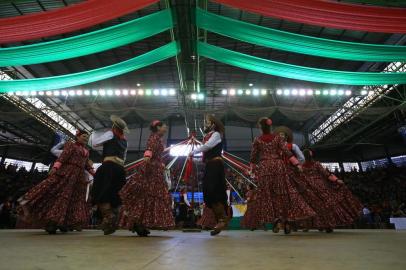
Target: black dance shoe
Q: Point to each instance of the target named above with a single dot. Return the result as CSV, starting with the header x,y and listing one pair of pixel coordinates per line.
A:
x,y
287,229
109,230
51,228
140,230
221,225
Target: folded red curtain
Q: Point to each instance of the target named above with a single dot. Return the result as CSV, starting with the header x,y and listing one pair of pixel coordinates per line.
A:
x,y
68,19
328,14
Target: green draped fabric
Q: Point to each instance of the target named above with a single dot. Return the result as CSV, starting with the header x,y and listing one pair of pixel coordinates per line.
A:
x,y
390,3
297,72
57,82
89,43
291,42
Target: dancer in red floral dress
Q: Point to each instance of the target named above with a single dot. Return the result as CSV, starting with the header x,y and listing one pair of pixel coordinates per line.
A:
x,y
249,221
278,200
287,135
146,200
330,198
60,200
297,177
208,219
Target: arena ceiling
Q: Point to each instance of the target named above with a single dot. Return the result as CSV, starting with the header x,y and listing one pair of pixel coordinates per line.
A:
x,y
188,72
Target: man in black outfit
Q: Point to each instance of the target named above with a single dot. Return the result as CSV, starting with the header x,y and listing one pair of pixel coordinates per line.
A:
x,y
214,182
110,177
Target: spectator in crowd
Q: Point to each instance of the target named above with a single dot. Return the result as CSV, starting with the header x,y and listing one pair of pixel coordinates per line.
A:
x,y
14,182
366,213
398,212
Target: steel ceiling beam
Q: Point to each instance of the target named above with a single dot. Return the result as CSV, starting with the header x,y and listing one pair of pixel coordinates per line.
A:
x,y
395,39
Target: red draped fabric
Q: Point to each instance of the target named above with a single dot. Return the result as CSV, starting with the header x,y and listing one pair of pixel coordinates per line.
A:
x,y
328,14
68,19
188,170
347,9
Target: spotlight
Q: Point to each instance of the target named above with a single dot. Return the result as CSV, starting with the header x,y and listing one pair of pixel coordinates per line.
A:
x,y
56,93
302,92
279,92
318,92
250,84
138,84
94,93
164,92
172,92
240,92
255,92
200,96
148,92
224,92
325,92
295,92
117,92
79,92
86,92
232,92
309,92
193,96
133,92
156,92
64,93
263,92
125,92
348,92
110,92
286,92
102,92
72,93
140,92
33,93
340,92
248,92
333,92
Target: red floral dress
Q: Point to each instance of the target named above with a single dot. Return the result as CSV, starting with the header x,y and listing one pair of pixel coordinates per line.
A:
x,y
61,198
208,219
277,196
249,221
145,197
334,203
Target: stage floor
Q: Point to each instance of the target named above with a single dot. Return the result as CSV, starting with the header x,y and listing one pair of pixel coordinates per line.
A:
x,y
175,250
